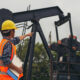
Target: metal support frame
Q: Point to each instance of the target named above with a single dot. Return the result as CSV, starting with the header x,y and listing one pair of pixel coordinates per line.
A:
x,y
61,22
34,16
30,15
57,24
30,52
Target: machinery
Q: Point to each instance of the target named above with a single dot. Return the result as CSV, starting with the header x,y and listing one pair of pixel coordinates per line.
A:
x,y
34,16
68,67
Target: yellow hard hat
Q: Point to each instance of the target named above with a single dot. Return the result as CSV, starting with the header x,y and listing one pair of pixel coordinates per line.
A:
x,y
8,25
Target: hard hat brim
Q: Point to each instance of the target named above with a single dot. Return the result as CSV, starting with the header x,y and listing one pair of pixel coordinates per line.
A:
x,y
16,28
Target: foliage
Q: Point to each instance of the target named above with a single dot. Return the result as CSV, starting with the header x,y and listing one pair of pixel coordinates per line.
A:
x,y
22,49
40,67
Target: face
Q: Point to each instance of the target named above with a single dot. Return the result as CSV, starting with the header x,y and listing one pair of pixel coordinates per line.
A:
x,y
12,33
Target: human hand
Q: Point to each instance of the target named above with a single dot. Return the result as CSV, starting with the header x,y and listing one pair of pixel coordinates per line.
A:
x,y
20,70
24,36
30,34
74,48
59,42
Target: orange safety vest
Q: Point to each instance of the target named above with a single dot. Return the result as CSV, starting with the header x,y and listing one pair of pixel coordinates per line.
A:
x,y
2,44
5,68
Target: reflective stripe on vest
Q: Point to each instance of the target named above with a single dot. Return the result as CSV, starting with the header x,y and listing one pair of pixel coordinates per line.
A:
x,y
2,44
3,73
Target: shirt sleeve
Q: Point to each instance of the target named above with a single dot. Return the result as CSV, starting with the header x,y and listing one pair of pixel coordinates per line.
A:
x,y
7,54
15,40
54,46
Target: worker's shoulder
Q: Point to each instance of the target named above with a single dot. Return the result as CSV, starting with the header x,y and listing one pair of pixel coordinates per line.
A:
x,y
7,45
15,40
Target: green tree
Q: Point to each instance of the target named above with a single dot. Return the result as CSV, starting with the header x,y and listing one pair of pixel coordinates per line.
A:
x,y
40,65
21,49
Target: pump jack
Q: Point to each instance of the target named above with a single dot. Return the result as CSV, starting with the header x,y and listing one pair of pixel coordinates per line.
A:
x,y
34,16
63,69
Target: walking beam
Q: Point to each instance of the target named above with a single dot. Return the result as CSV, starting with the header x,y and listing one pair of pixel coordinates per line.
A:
x,y
30,15
37,14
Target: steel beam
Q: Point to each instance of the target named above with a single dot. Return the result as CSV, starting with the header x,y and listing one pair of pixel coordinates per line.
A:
x,y
30,15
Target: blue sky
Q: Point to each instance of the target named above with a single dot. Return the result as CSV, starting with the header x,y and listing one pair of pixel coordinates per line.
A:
x,y
47,24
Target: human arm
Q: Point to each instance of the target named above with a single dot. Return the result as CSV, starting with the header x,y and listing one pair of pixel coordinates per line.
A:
x,y
16,40
54,46
24,36
15,68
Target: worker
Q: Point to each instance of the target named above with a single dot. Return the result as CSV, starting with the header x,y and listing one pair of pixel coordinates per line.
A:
x,y
8,49
66,45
